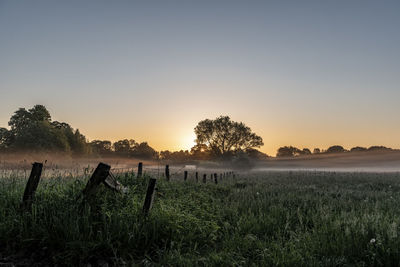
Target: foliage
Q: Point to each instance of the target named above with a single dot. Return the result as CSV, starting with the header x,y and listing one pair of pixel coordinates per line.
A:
x,y
101,147
178,156
288,151
358,149
335,149
33,130
223,136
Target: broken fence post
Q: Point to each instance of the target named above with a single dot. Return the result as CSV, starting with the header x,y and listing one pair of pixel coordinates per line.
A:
x,y
204,178
140,170
148,201
167,172
215,178
197,177
185,175
99,176
32,185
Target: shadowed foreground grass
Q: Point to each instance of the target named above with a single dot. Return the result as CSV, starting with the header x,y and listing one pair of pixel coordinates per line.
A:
x,y
276,218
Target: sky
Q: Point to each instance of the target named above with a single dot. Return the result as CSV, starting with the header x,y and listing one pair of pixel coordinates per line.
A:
x,y
302,73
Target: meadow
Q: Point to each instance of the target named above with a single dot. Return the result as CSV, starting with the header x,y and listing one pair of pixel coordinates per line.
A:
x,y
280,218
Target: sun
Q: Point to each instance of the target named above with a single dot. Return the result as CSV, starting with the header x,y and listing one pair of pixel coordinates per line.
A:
x,y
188,141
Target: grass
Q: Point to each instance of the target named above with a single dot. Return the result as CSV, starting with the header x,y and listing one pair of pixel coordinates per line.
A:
x,y
270,219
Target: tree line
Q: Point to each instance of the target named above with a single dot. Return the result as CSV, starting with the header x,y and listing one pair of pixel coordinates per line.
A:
x,y
34,130
290,151
219,138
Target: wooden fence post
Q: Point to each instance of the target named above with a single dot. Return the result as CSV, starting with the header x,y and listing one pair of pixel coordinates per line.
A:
x,y
148,201
204,178
99,176
197,177
32,185
140,170
185,175
167,172
220,176
215,178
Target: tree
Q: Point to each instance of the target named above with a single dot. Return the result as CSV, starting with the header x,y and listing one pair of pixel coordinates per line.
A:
x,y
305,151
144,151
288,151
316,151
379,148
223,136
178,156
101,147
336,149
358,149
33,130
40,113
124,147
200,152
256,154
4,138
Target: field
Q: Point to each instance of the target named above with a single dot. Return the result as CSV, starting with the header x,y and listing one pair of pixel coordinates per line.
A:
x,y
265,218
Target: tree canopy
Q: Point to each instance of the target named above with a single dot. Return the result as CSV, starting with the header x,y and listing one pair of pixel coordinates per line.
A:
x,y
222,136
33,130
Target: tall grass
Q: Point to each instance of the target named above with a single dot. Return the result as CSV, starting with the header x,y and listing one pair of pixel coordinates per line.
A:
x,y
275,218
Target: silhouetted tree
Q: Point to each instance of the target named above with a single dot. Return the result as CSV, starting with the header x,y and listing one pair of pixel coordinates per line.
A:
x,y
358,149
178,156
103,148
124,147
200,152
223,136
316,151
256,154
144,151
166,154
335,149
288,151
33,130
305,151
379,148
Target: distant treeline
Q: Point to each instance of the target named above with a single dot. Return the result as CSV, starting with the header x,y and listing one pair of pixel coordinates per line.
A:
x,y
34,131
221,138
290,151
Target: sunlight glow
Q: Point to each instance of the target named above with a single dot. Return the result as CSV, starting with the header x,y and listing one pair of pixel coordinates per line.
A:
x,y
188,141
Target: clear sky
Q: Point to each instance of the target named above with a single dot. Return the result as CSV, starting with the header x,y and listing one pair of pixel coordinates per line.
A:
x,y
303,73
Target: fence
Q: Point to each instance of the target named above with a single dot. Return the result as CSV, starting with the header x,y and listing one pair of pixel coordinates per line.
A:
x,y
106,175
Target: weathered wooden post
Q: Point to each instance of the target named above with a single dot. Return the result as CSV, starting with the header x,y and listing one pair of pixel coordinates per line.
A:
x,y
32,185
204,178
215,178
167,172
185,175
148,201
197,177
140,170
99,176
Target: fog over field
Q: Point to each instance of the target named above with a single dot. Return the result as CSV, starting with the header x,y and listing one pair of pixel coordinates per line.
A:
x,y
388,161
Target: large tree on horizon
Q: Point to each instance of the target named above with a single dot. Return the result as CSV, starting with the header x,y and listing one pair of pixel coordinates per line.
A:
x,y
223,136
